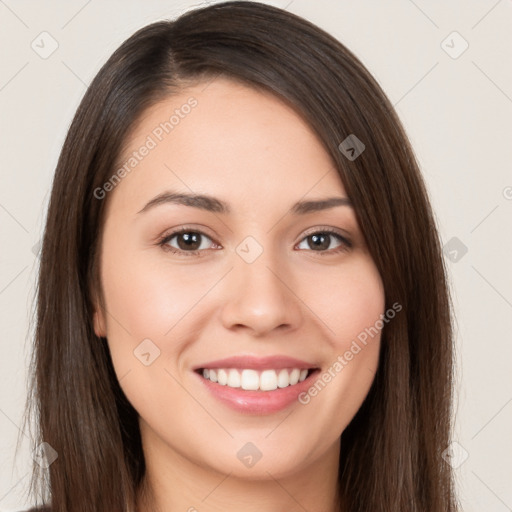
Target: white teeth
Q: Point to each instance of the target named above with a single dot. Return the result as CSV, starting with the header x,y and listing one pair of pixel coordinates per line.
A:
x,y
222,377
250,380
283,379
253,380
294,376
268,380
234,379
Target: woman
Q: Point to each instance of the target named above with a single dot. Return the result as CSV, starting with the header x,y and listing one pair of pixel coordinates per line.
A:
x,y
242,301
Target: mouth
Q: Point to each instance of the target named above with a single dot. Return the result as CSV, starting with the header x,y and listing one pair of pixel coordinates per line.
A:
x,y
249,379
257,392
257,385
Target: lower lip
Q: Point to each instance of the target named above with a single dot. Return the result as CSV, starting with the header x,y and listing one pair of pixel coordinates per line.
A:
x,y
258,402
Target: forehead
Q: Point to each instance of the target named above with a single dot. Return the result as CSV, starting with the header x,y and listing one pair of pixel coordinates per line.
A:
x,y
228,140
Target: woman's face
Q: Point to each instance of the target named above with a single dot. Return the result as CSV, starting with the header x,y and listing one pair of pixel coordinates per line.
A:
x,y
266,274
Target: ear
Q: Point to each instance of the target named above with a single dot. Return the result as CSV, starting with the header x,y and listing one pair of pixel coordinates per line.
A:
x,y
99,323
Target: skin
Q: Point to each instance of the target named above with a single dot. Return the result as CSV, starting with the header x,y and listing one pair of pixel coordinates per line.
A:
x,y
254,152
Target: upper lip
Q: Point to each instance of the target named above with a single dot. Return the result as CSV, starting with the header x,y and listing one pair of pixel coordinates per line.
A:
x,y
257,363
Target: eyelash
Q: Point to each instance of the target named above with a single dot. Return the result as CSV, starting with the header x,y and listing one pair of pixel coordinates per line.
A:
x,y
164,241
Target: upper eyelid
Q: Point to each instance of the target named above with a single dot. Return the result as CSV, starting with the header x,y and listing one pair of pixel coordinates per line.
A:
x,y
185,229
327,229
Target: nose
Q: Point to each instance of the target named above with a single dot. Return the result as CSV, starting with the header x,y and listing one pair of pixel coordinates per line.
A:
x,y
260,298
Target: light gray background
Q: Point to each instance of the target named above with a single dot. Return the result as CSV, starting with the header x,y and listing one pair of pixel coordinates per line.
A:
x,y
457,112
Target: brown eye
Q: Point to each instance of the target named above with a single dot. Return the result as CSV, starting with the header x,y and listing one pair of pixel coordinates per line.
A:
x,y
186,242
322,241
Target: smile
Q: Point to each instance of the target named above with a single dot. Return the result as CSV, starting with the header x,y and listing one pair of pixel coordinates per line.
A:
x,y
254,380
257,385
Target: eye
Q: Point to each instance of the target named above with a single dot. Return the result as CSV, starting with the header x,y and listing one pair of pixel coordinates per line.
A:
x,y
190,242
186,241
321,241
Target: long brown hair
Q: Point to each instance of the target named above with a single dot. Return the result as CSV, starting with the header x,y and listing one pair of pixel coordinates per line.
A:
x,y
391,452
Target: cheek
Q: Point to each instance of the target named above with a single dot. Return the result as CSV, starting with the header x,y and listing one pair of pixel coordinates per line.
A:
x,y
351,305
147,304
349,301
148,297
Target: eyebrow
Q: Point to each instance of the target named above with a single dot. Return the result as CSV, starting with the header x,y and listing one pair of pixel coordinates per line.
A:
x,y
212,204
